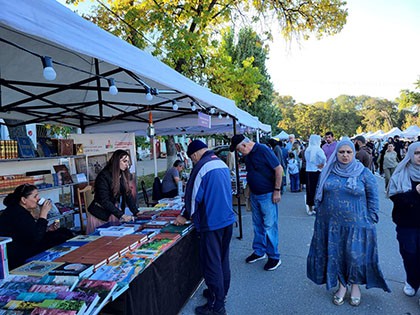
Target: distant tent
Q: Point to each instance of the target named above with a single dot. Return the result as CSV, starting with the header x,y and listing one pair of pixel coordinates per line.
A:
x,y
411,132
377,135
393,132
281,136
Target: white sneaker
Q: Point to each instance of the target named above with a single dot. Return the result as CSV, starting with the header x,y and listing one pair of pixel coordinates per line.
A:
x,y
408,290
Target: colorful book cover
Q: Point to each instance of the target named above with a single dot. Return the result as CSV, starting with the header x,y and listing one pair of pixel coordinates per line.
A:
x,y
52,311
103,288
73,269
84,238
115,271
91,299
68,305
70,281
6,298
20,305
26,147
16,286
35,268
116,231
35,296
48,288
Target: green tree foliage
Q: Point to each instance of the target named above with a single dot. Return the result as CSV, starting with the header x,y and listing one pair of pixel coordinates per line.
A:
x,y
186,35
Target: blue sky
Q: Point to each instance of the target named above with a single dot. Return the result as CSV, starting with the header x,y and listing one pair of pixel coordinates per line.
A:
x,y
376,54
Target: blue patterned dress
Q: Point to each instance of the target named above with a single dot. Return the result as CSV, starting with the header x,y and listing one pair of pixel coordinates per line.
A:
x,y
344,245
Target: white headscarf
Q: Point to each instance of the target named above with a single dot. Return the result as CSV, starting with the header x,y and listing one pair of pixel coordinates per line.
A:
x,y
351,170
405,172
314,146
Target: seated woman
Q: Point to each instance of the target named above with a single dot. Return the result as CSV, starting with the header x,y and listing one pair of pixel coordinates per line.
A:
x,y
171,179
30,235
112,193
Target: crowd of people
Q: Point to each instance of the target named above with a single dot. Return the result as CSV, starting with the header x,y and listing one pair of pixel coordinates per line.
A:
x,y
341,191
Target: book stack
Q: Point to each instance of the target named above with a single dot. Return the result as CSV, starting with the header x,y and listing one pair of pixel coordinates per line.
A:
x,y
8,149
155,224
8,183
78,270
116,230
36,268
179,229
103,288
102,250
148,215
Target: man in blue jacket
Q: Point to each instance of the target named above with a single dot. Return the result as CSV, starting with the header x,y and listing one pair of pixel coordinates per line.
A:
x,y
208,201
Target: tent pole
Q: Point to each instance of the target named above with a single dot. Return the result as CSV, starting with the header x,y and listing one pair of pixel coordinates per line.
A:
x,y
154,156
238,188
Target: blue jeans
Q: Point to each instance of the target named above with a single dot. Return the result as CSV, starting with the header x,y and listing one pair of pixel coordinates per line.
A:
x,y
294,182
265,221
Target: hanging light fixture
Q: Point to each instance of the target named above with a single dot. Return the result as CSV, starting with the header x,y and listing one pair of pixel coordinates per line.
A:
x,y
48,72
227,117
193,107
212,110
149,95
112,88
174,105
220,116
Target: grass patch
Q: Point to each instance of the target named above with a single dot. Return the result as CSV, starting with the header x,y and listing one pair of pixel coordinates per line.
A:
x,y
148,179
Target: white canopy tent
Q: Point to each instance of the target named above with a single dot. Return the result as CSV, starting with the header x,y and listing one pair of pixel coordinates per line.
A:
x,y
411,132
85,57
393,132
281,136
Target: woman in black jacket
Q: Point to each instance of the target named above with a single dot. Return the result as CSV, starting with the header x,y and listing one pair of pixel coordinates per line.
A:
x,y
112,193
404,191
30,235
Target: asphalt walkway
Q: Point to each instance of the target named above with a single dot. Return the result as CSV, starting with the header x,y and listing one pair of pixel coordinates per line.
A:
x,y
287,290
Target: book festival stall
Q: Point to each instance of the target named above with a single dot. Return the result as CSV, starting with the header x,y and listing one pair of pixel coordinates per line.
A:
x,y
58,68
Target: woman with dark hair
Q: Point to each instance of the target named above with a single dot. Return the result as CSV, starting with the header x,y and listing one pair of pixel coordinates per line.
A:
x,y
112,193
344,250
404,191
30,235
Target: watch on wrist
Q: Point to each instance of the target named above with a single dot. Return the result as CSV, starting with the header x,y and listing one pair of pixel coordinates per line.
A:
x,y
277,189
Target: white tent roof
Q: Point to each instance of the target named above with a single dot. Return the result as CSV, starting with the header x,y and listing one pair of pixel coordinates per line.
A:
x,y
411,132
282,135
377,135
84,57
393,132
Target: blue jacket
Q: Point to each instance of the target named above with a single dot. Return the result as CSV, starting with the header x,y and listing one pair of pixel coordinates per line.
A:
x,y
208,195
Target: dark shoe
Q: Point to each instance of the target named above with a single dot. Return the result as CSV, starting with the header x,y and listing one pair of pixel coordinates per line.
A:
x,y
254,257
272,264
206,293
203,310
221,311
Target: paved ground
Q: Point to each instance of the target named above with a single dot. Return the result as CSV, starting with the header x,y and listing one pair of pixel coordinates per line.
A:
x,y
147,166
287,289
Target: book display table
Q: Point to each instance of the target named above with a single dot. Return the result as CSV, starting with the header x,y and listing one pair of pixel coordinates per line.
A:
x,y
164,286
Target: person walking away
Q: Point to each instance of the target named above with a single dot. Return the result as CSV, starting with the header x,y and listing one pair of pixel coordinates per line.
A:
x,y
264,174
343,249
315,161
293,169
404,192
277,149
208,201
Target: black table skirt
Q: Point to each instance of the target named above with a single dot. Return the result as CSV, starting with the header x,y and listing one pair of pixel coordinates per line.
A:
x,y
166,285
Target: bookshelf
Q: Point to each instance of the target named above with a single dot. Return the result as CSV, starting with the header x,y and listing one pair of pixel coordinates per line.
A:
x,y
14,172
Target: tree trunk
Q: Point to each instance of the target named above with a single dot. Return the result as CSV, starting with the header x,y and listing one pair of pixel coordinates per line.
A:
x,y
170,151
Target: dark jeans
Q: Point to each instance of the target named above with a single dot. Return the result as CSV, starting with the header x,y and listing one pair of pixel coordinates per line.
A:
x,y
409,240
312,181
214,258
294,182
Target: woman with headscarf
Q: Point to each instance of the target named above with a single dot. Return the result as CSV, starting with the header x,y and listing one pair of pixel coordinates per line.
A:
x,y
404,191
343,250
315,161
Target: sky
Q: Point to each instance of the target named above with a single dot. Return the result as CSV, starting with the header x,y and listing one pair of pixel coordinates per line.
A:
x,y
376,54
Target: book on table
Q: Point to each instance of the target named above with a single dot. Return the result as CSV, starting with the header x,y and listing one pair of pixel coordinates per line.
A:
x,y
36,268
103,288
116,230
67,305
73,269
51,311
35,296
21,305
90,299
49,288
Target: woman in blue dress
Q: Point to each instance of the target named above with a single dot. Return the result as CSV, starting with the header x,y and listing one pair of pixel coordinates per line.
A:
x,y
343,250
